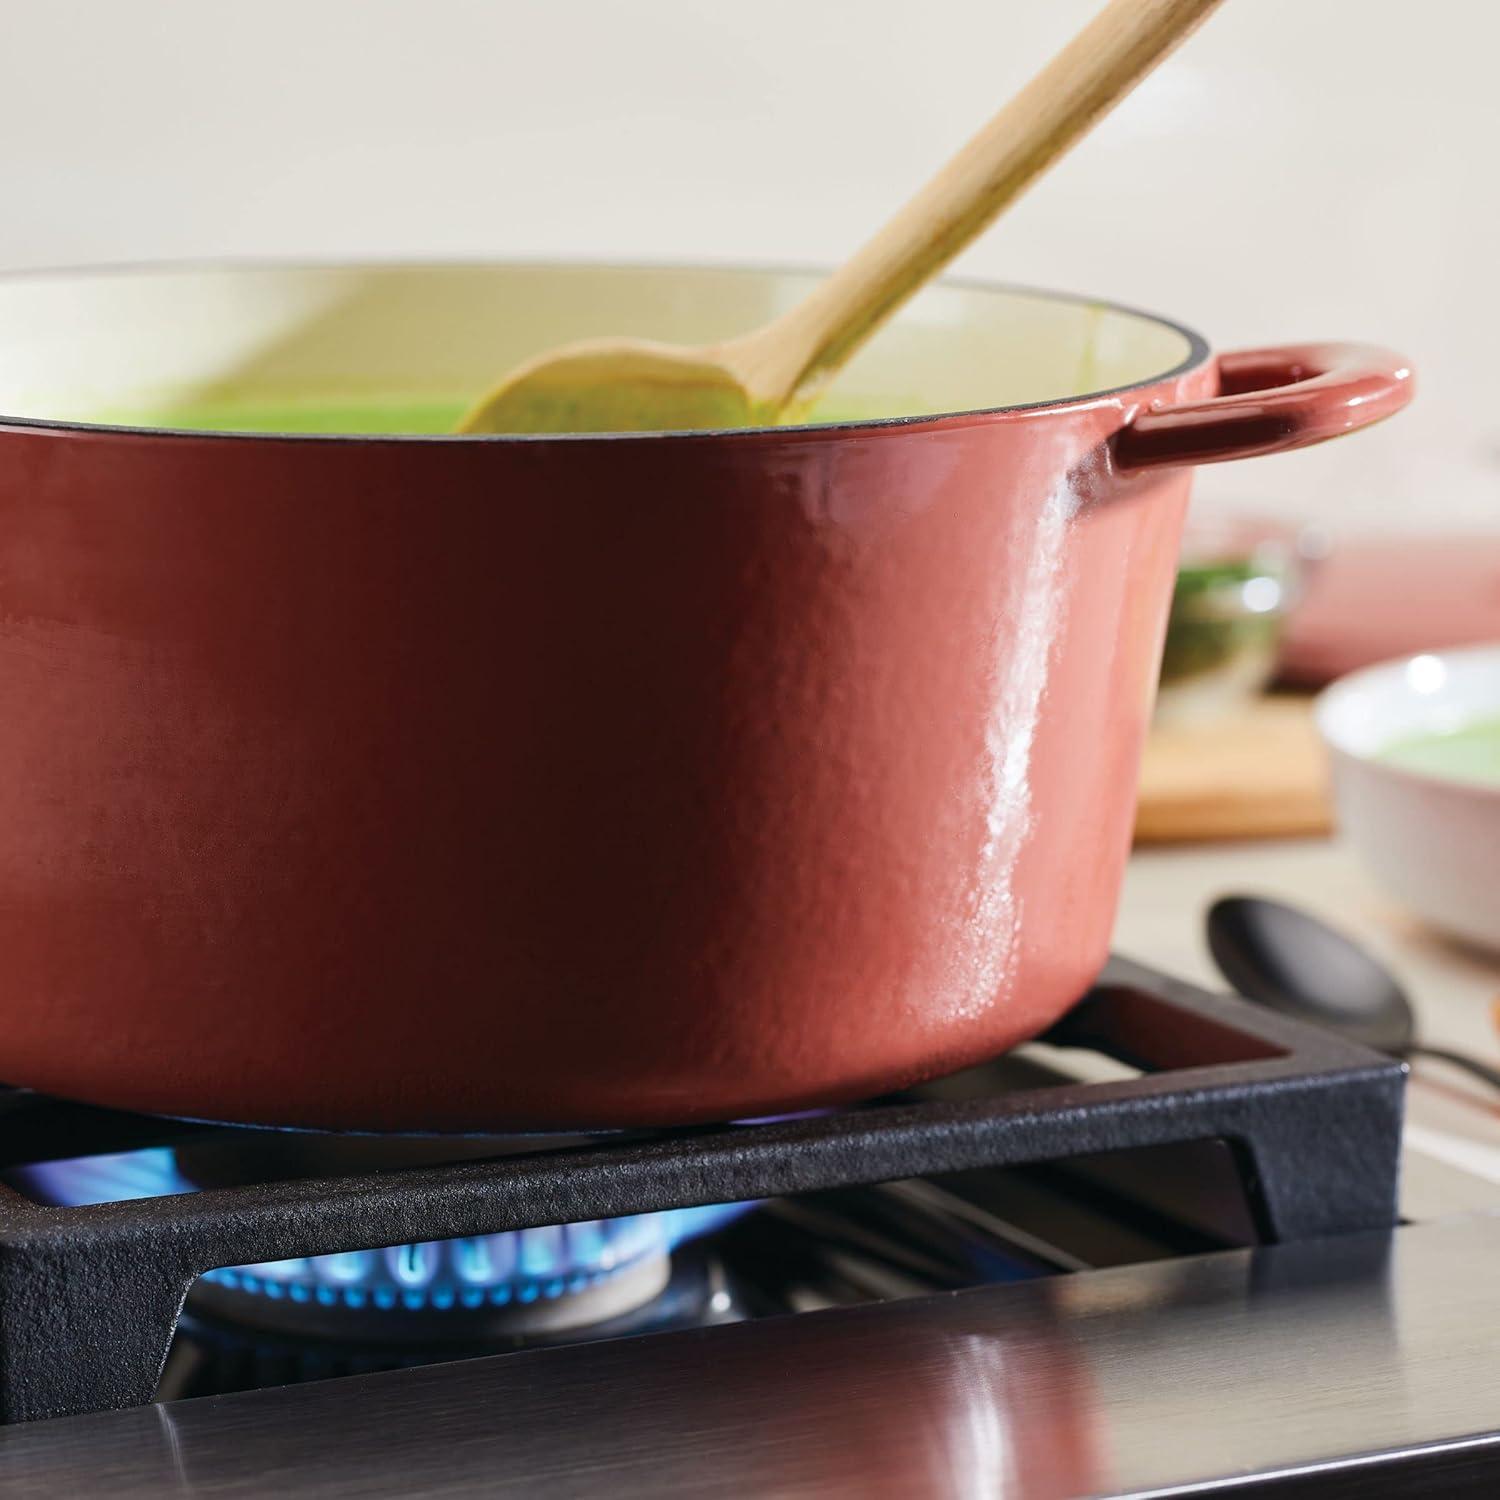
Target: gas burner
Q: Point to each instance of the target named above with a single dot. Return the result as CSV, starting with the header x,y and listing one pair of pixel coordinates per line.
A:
x,y
211,1356
543,1282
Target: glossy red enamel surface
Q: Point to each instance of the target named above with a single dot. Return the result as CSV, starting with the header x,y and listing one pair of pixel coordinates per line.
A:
x,y
565,783
1270,400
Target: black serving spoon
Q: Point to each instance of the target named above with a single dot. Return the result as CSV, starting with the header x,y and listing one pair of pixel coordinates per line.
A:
x,y
1291,962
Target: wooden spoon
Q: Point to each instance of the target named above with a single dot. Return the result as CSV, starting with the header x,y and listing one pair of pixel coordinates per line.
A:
x,y
634,385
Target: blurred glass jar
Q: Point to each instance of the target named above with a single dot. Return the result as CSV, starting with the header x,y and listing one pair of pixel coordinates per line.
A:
x,y
1237,579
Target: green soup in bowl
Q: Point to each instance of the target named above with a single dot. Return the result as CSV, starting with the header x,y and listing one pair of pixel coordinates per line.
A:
x,y
1415,747
1468,753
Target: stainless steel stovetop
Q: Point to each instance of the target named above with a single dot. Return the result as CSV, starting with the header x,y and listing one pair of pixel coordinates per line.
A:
x,y
1365,1365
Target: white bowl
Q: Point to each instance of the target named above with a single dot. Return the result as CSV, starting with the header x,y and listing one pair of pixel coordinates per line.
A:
x,y
1433,841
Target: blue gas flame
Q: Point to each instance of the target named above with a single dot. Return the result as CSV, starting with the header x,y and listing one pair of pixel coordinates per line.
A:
x,y
493,1270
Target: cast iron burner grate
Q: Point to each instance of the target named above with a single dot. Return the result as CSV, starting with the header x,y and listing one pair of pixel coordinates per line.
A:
x,y
90,1295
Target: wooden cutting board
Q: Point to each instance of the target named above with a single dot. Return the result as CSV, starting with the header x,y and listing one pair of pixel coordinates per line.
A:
x,y
1260,773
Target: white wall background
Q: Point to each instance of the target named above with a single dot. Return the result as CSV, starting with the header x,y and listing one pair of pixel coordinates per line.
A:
x,y
1304,168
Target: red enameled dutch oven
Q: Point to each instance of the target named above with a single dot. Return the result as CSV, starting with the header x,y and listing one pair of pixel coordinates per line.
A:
x,y
486,783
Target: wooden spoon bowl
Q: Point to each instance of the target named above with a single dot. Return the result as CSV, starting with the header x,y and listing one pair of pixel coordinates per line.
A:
x,y
630,385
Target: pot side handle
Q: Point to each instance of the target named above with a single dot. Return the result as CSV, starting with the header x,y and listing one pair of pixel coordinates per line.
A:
x,y
1270,400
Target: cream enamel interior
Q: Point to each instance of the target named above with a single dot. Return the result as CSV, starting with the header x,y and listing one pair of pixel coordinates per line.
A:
x,y
90,345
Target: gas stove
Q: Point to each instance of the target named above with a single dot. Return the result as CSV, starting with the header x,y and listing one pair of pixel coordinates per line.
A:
x,y
894,1292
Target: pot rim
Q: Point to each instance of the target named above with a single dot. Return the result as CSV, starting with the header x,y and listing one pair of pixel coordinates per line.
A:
x,y
1198,352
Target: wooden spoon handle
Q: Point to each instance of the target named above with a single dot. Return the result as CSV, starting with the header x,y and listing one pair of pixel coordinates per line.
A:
x,y
795,355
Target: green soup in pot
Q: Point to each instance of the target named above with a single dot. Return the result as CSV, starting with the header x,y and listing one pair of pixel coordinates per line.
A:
x,y
1470,753
372,414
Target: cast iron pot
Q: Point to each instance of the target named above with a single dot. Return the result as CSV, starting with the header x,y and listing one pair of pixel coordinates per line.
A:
x,y
493,783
